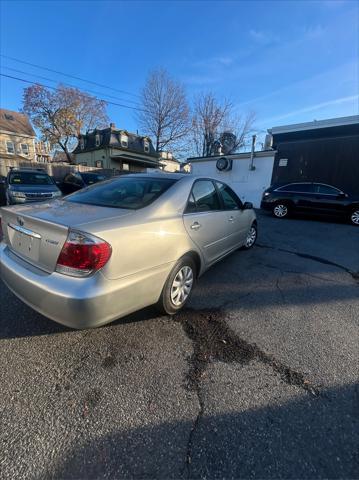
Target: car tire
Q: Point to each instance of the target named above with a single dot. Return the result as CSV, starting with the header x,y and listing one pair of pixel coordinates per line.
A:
x,y
281,210
354,217
251,237
178,287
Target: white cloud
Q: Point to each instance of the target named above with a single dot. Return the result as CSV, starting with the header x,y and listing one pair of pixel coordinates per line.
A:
x,y
263,37
315,107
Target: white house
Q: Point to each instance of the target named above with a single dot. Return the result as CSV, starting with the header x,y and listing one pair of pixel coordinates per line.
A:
x,y
247,176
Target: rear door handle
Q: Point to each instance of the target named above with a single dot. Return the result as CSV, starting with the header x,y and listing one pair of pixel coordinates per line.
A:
x,y
196,226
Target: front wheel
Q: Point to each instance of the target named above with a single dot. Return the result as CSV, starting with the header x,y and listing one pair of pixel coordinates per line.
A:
x,y
178,286
251,237
281,210
354,217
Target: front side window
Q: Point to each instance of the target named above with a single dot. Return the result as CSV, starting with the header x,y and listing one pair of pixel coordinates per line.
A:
x,y
297,188
127,193
10,147
25,149
30,178
229,198
205,197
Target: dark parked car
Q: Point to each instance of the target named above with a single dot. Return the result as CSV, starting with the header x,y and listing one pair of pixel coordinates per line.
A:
x,y
24,185
75,181
2,190
308,197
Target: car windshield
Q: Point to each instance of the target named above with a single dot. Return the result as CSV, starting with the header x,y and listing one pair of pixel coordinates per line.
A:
x,y
90,178
128,193
30,178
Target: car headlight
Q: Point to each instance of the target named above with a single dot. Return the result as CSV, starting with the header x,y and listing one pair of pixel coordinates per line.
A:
x,y
266,194
17,194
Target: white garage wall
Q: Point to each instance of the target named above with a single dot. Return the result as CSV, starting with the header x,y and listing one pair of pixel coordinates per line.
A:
x,y
248,184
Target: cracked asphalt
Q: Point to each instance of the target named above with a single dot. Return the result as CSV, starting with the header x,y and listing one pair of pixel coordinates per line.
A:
x,y
257,378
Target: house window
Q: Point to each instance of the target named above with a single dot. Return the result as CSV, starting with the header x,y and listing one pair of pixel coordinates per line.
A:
x,y
82,143
125,166
25,149
124,140
97,140
146,146
99,164
10,147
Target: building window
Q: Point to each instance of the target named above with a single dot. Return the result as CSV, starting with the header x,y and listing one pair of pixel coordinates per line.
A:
x,y
10,147
125,166
99,164
146,146
97,140
25,149
124,140
82,143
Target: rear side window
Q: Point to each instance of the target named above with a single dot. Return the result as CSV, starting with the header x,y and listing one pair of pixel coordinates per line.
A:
x,y
128,193
297,188
326,189
229,198
204,197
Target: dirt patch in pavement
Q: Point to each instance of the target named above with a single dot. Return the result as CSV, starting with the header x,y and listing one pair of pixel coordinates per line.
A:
x,y
213,340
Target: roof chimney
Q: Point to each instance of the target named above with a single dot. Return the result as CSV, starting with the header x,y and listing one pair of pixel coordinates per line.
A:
x,y
112,125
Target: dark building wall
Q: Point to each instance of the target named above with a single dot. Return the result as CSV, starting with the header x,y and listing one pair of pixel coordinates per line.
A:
x,y
328,156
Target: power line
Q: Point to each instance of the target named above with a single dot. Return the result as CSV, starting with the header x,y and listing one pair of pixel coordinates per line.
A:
x,y
54,88
69,85
70,76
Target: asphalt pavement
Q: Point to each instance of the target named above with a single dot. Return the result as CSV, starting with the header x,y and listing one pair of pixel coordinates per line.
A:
x,y
257,378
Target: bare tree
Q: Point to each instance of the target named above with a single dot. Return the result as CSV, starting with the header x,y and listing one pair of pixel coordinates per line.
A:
x,y
63,114
165,112
211,118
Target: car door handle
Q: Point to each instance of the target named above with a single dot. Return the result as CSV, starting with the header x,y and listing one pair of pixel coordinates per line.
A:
x,y
195,226
231,219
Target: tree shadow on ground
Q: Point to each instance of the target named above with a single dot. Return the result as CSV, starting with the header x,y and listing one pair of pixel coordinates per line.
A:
x,y
310,437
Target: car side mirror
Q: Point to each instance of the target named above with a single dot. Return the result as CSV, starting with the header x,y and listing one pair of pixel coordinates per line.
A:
x,y
248,206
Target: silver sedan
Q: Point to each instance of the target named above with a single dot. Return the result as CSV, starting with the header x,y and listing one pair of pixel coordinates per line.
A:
x,y
121,245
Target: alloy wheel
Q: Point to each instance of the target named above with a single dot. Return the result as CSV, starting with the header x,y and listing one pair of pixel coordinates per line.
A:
x,y
251,237
355,217
280,210
182,286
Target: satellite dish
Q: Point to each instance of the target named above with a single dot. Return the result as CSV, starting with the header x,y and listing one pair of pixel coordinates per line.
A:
x,y
228,141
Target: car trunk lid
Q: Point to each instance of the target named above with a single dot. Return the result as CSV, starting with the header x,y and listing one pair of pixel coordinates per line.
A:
x,y
38,232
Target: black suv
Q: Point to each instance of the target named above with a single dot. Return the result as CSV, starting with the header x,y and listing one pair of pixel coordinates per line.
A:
x,y
75,181
308,197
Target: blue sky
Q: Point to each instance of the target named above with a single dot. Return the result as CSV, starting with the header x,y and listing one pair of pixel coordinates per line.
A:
x,y
288,61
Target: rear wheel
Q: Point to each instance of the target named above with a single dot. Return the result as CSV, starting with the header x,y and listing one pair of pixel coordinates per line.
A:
x,y
354,217
178,287
281,210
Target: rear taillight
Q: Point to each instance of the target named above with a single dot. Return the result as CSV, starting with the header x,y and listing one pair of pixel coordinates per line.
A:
x,y
82,254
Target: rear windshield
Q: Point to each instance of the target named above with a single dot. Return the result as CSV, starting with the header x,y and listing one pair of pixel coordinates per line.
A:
x,y
30,178
129,193
90,178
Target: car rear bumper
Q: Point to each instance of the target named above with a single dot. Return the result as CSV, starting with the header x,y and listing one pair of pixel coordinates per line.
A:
x,y
80,302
